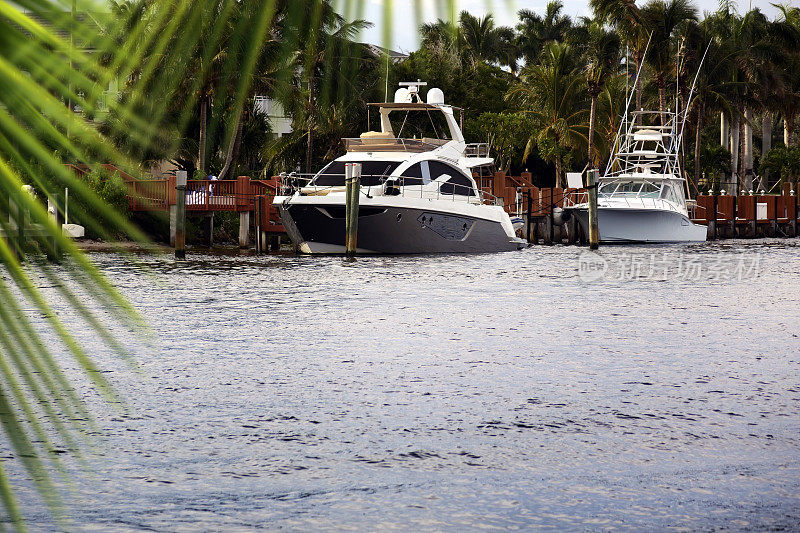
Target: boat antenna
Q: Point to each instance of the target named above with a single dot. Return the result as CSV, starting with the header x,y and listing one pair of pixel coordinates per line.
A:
x,y
677,79
386,97
627,75
628,103
435,131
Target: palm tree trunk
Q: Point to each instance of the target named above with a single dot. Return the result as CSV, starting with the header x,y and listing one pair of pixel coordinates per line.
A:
x,y
740,138
787,130
724,131
201,151
748,148
558,171
592,112
234,140
766,132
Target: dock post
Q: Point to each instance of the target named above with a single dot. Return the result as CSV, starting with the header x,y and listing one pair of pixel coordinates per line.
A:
x,y
547,205
172,203
180,215
22,221
712,219
353,188
208,230
15,226
244,229
173,221
594,230
52,213
530,216
572,230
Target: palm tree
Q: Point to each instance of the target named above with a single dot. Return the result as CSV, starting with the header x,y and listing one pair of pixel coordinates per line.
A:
x,y
789,98
329,42
551,91
610,109
602,58
473,39
508,54
535,31
626,18
714,87
665,20
479,37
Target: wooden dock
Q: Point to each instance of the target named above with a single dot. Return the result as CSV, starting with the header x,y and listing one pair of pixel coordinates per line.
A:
x,y
727,216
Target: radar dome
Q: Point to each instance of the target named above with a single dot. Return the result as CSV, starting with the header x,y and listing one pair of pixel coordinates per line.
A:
x,y
402,96
435,96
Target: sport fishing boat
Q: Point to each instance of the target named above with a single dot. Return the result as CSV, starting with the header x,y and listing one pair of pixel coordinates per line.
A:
x,y
416,196
641,197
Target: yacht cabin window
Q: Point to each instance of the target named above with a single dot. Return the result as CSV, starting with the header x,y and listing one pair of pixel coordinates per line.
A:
x,y
416,174
455,181
372,173
670,193
458,184
630,189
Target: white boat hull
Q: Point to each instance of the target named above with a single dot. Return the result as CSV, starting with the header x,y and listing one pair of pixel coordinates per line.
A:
x,y
626,225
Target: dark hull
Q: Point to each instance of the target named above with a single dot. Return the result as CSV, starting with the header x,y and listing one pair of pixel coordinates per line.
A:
x,y
393,230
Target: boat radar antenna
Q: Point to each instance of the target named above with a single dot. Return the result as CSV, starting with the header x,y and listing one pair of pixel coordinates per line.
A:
x,y
413,89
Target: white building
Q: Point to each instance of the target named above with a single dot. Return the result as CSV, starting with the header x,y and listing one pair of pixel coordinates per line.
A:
x,y
279,121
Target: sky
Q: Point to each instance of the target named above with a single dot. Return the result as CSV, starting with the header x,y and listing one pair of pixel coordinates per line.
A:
x,y
405,36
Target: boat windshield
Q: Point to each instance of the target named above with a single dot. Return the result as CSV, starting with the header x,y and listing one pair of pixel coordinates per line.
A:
x,y
372,173
629,189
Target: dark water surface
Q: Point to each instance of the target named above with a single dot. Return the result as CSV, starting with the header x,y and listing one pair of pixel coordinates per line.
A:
x,y
457,392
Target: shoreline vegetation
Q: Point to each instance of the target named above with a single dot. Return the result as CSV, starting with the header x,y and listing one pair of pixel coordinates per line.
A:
x,y
547,94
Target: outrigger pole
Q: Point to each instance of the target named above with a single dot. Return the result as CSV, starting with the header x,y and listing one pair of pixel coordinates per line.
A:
x,y
691,95
627,104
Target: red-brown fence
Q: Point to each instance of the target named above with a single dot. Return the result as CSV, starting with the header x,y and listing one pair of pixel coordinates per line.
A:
x,y
746,215
149,195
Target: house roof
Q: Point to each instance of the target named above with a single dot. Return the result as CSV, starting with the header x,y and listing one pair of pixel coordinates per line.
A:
x,y
395,56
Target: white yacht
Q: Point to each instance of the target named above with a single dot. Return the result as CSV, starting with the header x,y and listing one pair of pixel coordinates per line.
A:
x,y
642,195
417,195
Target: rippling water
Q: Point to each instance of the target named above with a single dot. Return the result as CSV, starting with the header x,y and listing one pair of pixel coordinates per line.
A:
x,y
444,393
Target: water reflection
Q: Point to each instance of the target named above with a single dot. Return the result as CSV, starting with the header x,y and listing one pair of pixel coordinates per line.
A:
x,y
482,391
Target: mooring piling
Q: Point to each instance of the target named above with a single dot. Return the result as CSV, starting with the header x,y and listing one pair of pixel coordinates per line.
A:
x,y
352,191
180,215
594,230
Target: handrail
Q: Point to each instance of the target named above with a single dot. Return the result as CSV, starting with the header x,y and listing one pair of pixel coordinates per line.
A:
x,y
477,150
392,144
